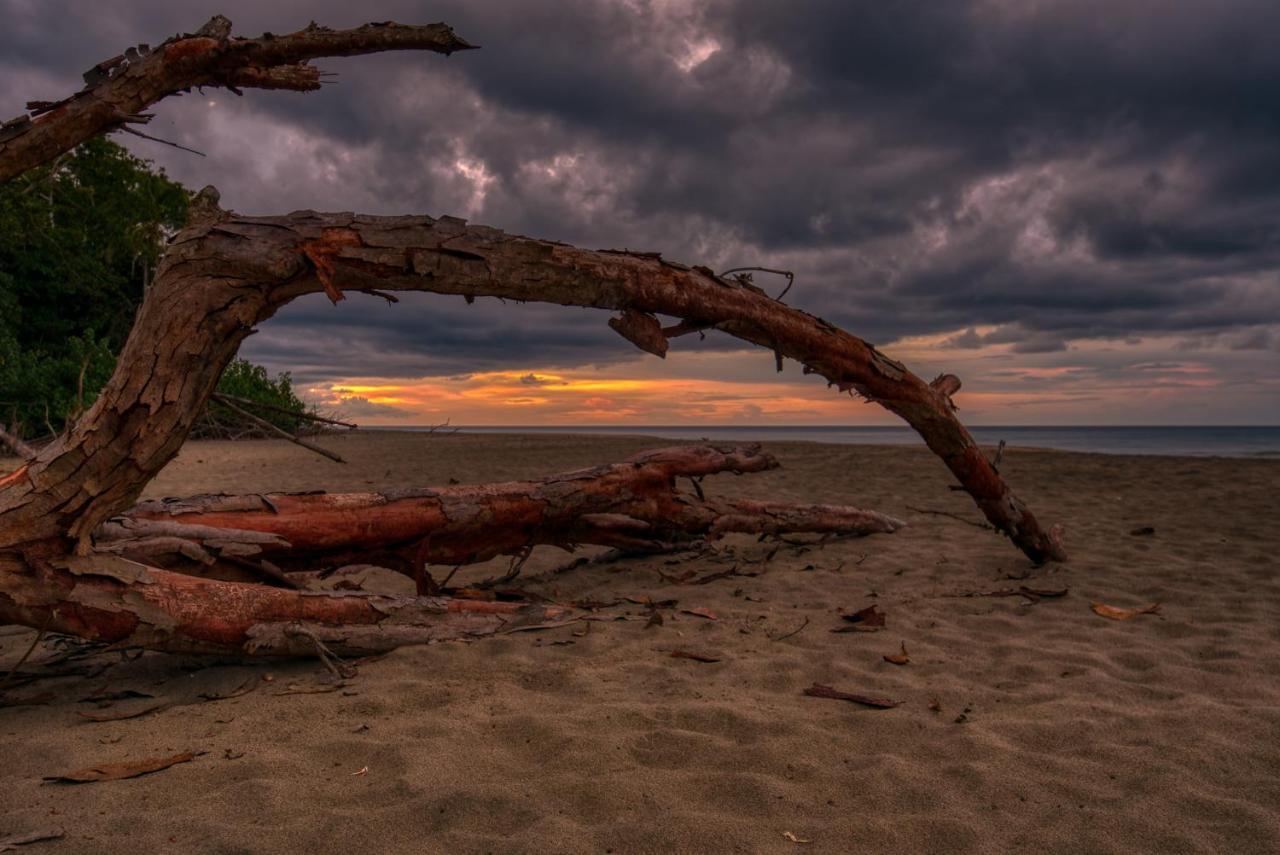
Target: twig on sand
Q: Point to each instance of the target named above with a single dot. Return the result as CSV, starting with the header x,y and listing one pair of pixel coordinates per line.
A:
x,y
795,631
980,525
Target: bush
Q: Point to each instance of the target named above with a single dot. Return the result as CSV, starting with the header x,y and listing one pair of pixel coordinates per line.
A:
x,y
248,382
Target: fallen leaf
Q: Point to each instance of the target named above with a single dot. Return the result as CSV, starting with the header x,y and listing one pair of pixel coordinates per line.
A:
x,y
869,619
702,613
584,630
1117,613
120,771
364,728
794,839
817,690
11,844
655,619
232,755
935,705
364,770
121,716
696,657
898,658
652,603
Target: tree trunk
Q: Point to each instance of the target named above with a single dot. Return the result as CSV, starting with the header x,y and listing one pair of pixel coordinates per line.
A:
x,y
105,598
632,505
227,273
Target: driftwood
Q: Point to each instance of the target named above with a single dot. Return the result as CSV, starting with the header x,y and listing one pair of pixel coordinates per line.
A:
x,y
118,90
16,444
633,506
226,273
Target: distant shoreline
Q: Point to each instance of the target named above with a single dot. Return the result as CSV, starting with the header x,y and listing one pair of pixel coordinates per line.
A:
x,y
1253,442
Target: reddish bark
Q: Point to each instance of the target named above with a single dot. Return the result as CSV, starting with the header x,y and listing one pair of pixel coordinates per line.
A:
x,y
119,90
109,599
225,274
633,505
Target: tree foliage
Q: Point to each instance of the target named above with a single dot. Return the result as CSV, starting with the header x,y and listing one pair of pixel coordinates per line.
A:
x,y
79,240
79,243
246,381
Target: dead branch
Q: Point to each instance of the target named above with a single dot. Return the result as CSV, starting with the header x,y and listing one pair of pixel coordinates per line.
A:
x,y
19,447
301,415
112,600
632,505
272,429
225,274
118,91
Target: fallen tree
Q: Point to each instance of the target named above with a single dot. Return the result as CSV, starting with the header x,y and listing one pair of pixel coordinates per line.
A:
x,y
226,273
633,506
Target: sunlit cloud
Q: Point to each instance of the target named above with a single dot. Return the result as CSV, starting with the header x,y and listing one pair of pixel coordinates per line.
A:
x,y
1105,382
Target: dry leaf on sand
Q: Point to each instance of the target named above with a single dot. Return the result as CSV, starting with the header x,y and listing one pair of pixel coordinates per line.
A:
x,y
700,612
898,658
794,839
120,771
817,690
870,619
1117,613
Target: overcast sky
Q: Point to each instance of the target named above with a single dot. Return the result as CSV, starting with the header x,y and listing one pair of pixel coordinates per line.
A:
x,y
1074,206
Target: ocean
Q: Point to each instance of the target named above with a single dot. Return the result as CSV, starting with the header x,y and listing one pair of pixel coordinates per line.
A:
x,y
1261,442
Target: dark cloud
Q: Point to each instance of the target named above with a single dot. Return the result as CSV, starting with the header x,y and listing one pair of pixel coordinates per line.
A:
x,y
1055,170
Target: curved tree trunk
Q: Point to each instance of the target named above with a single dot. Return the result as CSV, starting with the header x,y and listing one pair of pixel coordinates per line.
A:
x,y
227,273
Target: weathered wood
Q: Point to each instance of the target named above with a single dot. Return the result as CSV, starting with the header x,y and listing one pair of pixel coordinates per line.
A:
x,y
634,505
19,446
226,273
267,426
118,90
110,599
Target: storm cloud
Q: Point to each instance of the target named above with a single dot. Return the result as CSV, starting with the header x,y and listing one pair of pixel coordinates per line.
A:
x,y
1030,174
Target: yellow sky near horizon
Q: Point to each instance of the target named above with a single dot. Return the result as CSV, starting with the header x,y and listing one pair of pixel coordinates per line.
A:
x,y
1093,382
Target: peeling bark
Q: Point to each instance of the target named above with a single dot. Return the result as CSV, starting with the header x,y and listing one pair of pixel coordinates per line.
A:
x,y
110,599
226,273
632,505
118,90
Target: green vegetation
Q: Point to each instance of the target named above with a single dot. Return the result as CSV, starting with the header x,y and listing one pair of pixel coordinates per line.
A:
x,y
246,381
79,243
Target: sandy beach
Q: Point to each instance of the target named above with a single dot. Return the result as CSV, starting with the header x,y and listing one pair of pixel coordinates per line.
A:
x,y
1024,724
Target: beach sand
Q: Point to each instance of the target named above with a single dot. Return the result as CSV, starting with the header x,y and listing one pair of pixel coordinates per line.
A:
x,y
1055,729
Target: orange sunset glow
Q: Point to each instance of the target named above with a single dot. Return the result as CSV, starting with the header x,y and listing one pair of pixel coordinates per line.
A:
x,y
1092,382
